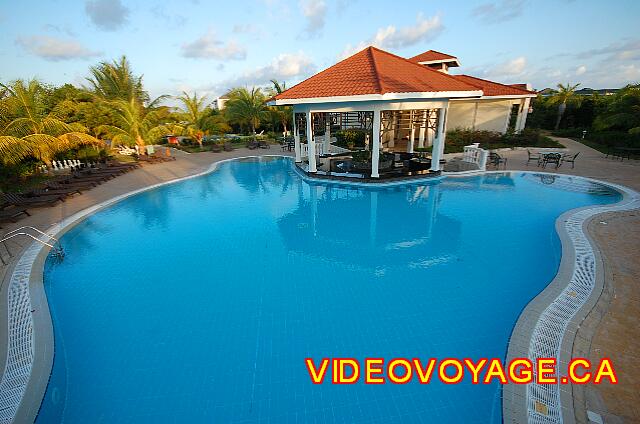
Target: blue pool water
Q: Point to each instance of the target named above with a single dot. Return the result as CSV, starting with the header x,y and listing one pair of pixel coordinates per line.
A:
x,y
199,301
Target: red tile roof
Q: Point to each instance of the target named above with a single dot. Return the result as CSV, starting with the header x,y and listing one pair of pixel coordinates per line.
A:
x,y
522,86
374,71
431,55
490,88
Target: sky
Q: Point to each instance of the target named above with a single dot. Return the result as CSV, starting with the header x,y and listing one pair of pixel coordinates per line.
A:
x,y
211,46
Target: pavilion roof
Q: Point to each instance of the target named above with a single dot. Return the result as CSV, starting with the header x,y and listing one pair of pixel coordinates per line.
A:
x,y
375,72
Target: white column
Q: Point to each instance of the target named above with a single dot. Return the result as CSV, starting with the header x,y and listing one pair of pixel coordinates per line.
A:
x,y
393,132
506,124
375,145
522,116
438,143
423,130
327,134
311,144
296,139
412,133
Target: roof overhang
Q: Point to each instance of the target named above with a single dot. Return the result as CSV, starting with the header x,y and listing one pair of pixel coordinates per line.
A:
x,y
379,97
506,96
431,62
511,96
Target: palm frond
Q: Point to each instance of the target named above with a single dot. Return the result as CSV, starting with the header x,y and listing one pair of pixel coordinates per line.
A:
x,y
13,149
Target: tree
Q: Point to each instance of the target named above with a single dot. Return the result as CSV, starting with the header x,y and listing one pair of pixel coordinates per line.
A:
x,y
246,107
116,81
565,94
199,120
135,124
28,130
283,113
622,111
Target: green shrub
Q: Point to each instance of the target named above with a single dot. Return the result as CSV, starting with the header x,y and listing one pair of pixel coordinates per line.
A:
x,y
614,138
489,140
351,136
568,132
361,156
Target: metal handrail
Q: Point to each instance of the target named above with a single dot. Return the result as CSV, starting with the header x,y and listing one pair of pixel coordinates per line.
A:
x,y
28,235
22,232
27,227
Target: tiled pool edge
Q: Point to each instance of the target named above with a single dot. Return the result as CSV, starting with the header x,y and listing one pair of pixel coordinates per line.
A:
x,y
35,255
547,326
28,348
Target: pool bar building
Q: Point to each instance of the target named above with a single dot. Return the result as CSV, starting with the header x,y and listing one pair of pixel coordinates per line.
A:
x,y
401,105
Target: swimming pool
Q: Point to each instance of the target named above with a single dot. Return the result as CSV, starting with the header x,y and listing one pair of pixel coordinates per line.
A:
x,y
199,301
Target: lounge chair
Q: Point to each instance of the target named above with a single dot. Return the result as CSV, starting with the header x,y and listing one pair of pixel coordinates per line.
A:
x,y
253,144
228,147
76,187
531,157
216,148
264,145
12,214
18,200
70,181
40,192
571,160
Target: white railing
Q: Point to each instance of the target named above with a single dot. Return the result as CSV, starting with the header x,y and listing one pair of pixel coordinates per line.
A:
x,y
474,154
320,149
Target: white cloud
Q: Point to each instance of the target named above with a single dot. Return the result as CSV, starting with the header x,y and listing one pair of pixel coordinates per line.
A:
x,y
209,47
496,12
510,68
315,12
424,29
616,77
108,15
627,50
55,49
581,70
284,67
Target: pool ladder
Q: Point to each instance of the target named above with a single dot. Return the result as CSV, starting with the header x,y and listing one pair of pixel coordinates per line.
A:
x,y
36,235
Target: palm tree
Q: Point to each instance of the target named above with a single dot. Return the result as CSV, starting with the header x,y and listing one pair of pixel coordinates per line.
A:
x,y
199,120
622,111
116,81
135,124
283,113
26,130
246,107
565,94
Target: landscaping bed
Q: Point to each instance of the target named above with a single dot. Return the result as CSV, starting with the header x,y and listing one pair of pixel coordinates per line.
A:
x,y
457,139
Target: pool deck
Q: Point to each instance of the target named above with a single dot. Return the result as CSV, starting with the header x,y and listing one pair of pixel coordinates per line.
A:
x,y
610,330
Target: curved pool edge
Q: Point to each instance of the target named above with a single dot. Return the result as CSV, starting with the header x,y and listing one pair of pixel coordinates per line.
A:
x,y
30,345
30,340
548,324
